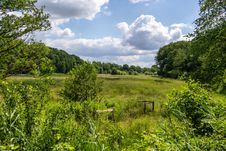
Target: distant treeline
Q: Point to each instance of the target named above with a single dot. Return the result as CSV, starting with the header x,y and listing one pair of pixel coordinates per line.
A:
x,y
203,58
36,58
115,69
63,63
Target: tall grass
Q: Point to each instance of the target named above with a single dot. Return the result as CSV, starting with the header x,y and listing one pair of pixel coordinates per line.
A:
x,y
123,93
72,126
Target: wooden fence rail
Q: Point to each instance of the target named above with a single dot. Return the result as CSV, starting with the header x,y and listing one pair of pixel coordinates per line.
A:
x,y
111,110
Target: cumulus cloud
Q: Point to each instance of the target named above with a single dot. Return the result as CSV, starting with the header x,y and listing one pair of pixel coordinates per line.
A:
x,y
107,49
123,26
54,33
146,33
107,46
62,11
175,34
66,32
181,25
73,9
138,45
138,1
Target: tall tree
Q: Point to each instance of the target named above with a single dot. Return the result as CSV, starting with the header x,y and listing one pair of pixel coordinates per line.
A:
x,y
27,58
18,20
63,61
212,14
208,46
173,59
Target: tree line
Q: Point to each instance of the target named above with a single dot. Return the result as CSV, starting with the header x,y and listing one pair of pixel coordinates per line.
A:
x,y
115,69
204,57
62,61
37,58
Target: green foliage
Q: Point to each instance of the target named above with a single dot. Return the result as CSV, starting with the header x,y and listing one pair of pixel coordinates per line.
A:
x,y
26,58
20,26
209,50
57,124
192,106
22,105
115,69
212,14
15,55
172,59
82,84
62,61
202,59
192,121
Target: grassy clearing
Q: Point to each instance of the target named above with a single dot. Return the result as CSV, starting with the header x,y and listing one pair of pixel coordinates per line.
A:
x,y
124,94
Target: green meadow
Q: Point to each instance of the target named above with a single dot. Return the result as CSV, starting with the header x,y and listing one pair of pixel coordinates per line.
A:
x,y
125,94
74,126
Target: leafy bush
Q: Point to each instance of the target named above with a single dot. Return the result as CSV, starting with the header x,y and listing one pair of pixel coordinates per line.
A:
x,y
193,121
192,106
82,84
19,112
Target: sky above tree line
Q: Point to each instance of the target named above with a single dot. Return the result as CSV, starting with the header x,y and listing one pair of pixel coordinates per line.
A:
x,y
117,31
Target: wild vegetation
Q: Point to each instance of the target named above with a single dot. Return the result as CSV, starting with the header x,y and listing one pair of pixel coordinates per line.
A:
x,y
202,58
68,124
58,112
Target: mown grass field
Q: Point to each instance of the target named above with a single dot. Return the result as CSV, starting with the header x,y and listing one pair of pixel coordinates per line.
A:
x,y
124,93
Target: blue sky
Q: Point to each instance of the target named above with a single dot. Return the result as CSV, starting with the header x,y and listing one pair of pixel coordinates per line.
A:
x,y
119,31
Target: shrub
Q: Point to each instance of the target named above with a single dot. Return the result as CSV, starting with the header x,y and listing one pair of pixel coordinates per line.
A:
x,y
192,106
193,121
82,84
19,112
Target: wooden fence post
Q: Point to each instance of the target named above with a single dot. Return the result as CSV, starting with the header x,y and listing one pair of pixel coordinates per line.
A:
x,y
145,107
153,106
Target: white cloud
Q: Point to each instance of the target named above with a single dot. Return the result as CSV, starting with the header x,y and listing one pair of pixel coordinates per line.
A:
x,y
145,2
62,11
107,49
16,13
138,45
146,33
181,25
107,46
123,26
138,1
138,60
175,34
66,32
73,9
55,32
